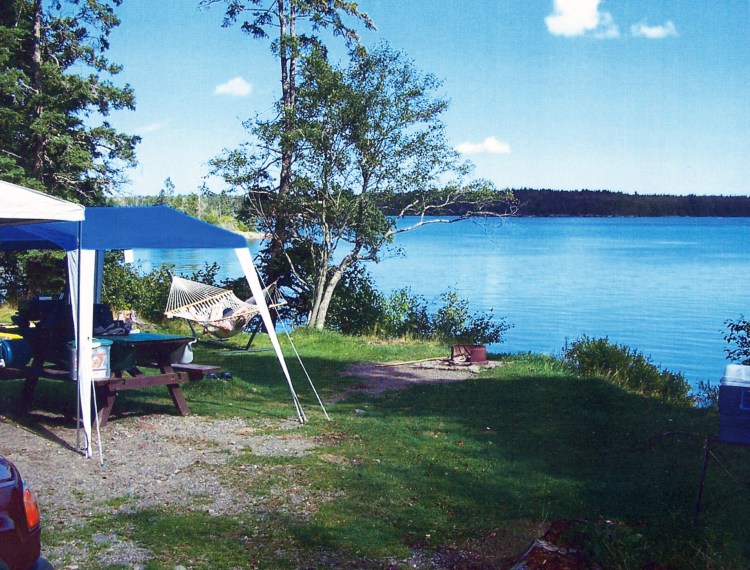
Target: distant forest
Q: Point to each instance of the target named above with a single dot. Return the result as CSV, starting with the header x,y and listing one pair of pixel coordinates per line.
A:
x,y
604,203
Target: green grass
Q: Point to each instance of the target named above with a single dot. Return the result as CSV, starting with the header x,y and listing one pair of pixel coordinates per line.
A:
x,y
480,464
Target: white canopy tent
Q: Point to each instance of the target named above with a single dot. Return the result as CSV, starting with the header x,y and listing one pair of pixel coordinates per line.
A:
x,y
121,229
21,206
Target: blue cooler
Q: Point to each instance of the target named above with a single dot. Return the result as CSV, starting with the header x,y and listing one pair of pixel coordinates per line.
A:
x,y
15,353
734,404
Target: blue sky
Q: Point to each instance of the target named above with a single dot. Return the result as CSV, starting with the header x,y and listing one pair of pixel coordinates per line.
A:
x,y
639,96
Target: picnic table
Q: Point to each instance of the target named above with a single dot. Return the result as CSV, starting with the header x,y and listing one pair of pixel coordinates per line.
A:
x,y
129,354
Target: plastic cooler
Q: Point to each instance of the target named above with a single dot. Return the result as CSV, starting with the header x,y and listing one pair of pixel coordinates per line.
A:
x,y
14,352
99,358
734,404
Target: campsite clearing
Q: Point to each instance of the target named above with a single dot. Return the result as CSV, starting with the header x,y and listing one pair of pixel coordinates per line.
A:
x,y
437,475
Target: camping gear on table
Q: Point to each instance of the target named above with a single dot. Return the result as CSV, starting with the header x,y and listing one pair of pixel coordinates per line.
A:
x,y
100,358
734,404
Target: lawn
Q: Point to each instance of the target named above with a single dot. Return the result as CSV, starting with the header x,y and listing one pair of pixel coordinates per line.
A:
x,y
479,466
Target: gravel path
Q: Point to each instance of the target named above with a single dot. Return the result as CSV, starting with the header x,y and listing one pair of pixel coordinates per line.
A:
x,y
155,460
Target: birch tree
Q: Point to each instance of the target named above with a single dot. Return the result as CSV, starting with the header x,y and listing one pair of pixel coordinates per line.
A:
x,y
293,28
362,133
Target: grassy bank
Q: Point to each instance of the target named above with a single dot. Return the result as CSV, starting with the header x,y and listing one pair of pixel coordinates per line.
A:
x,y
479,466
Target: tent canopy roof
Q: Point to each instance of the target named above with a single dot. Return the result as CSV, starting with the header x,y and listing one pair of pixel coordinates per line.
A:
x,y
142,227
22,205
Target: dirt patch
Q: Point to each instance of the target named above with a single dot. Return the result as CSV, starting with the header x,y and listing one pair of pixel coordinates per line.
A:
x,y
378,377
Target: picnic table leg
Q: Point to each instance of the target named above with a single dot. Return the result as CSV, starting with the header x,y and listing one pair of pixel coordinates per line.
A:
x,y
178,398
106,398
29,387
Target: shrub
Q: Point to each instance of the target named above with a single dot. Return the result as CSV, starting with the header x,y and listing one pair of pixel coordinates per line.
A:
x,y
125,287
452,322
707,395
738,334
626,368
358,308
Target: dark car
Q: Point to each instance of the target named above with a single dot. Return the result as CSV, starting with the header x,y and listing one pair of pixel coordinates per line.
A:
x,y
20,523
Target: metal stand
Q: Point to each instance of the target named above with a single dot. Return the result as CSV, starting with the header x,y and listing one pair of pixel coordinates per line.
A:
x,y
710,441
704,471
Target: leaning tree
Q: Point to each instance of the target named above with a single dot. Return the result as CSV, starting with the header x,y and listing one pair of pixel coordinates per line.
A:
x,y
362,135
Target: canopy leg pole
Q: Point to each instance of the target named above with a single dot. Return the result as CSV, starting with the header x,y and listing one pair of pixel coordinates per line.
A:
x,y
299,359
246,262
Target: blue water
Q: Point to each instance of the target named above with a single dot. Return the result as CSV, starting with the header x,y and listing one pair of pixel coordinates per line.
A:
x,y
664,286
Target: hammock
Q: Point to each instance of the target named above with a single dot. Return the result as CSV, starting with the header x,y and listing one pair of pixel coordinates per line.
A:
x,y
217,310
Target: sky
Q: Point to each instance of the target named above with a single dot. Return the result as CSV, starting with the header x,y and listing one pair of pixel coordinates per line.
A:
x,y
637,96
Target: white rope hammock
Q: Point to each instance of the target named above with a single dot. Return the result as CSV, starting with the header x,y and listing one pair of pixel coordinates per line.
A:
x,y
217,310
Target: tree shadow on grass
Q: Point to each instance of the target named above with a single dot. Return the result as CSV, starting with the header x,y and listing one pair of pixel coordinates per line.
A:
x,y
442,461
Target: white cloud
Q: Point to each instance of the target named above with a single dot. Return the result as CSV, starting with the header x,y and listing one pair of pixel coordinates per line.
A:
x,y
236,87
490,145
577,17
607,29
643,30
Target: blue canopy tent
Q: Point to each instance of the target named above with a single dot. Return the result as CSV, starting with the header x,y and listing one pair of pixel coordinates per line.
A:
x,y
127,228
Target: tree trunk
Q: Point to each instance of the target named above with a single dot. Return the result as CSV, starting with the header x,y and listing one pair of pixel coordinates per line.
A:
x,y
320,287
287,60
325,292
37,141
325,302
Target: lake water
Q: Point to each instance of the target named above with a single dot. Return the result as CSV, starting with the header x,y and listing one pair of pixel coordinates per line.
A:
x,y
664,286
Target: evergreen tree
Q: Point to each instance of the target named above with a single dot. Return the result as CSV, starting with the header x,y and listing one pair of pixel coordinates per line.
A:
x,y
55,94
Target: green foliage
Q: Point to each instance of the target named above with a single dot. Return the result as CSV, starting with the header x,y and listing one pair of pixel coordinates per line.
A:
x,y
55,93
358,308
125,287
627,368
408,315
28,273
707,395
359,132
738,334
220,209
606,203
357,305
453,322
404,315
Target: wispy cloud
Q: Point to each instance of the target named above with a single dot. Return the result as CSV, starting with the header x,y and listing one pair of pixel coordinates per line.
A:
x,y
151,127
236,87
577,17
643,30
490,145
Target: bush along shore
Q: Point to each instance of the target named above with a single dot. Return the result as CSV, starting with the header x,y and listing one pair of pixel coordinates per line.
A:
x,y
437,475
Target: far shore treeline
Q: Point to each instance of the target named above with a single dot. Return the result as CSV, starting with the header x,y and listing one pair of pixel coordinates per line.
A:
x,y
602,203
218,208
